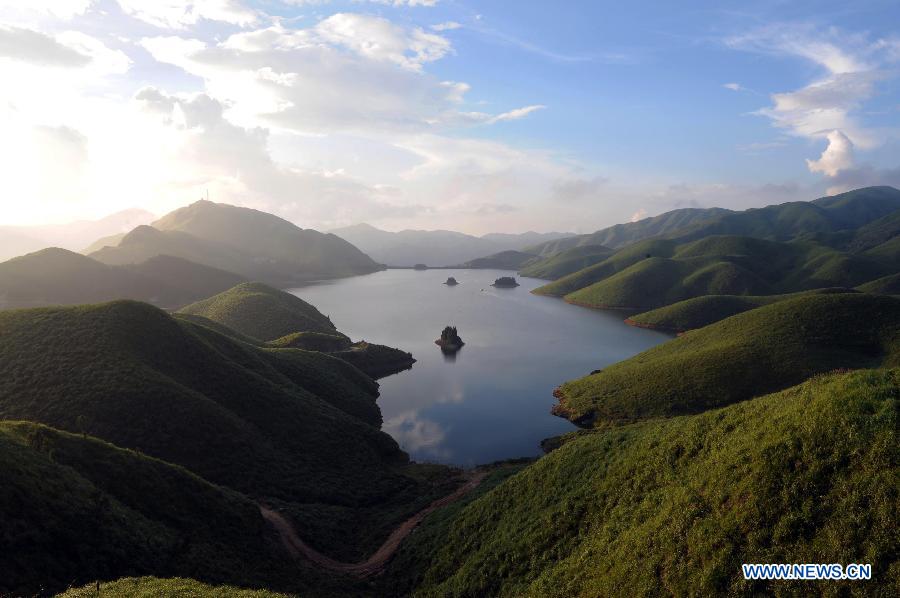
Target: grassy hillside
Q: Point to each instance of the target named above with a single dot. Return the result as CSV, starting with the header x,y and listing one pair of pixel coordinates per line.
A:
x,y
292,252
566,262
256,245
262,312
807,475
889,285
152,587
759,351
615,263
707,309
74,509
280,423
725,265
61,277
787,221
621,235
504,260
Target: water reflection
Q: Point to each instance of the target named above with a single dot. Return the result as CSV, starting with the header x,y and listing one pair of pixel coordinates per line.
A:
x,y
494,403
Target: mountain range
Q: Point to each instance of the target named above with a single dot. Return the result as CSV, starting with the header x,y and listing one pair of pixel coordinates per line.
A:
x,y
75,236
435,247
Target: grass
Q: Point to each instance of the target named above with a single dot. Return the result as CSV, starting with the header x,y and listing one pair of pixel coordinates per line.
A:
x,y
261,312
60,277
74,509
152,587
888,285
504,260
673,507
254,244
566,262
708,309
282,424
759,351
726,265
617,262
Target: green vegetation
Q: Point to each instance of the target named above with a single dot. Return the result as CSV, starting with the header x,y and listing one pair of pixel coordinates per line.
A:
x,y
256,245
717,265
787,221
888,285
151,587
376,361
566,262
707,309
759,351
275,422
505,260
312,341
60,277
261,312
622,235
75,509
615,263
675,506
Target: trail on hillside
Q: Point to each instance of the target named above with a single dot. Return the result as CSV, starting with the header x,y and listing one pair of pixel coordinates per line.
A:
x,y
374,564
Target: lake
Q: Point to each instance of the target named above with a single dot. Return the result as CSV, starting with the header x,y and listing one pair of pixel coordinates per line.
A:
x,y
492,400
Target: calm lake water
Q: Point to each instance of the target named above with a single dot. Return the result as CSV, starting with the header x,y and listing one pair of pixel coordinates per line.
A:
x,y
493,400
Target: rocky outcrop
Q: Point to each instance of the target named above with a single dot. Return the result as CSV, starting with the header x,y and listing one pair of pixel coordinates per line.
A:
x,y
505,282
450,340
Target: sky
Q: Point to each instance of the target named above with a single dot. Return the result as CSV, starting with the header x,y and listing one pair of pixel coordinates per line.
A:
x,y
489,116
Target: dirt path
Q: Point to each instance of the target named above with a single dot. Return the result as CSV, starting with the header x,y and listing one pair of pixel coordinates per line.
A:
x,y
374,564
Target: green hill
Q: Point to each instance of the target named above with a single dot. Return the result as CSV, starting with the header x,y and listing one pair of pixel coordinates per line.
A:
x,y
566,262
151,587
787,221
616,262
74,509
293,425
674,507
621,235
61,277
707,309
254,244
261,312
888,285
504,260
759,351
722,265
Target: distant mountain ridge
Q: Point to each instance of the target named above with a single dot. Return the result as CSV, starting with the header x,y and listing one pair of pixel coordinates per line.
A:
x,y
435,247
75,236
57,276
251,243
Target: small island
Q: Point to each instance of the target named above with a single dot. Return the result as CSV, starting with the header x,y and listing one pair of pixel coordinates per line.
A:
x,y
449,340
451,282
506,282
420,267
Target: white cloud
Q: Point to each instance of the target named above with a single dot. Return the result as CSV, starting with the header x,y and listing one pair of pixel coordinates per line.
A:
x,y
26,45
837,156
446,26
63,9
733,86
177,14
639,215
517,113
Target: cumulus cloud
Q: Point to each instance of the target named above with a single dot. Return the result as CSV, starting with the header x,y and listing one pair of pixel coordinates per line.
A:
x,y
830,107
837,156
63,9
177,14
26,45
639,215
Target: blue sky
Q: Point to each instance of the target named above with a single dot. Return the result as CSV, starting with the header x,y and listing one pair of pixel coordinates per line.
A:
x,y
475,116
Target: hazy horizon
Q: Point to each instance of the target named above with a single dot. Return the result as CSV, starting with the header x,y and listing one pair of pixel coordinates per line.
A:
x,y
431,114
